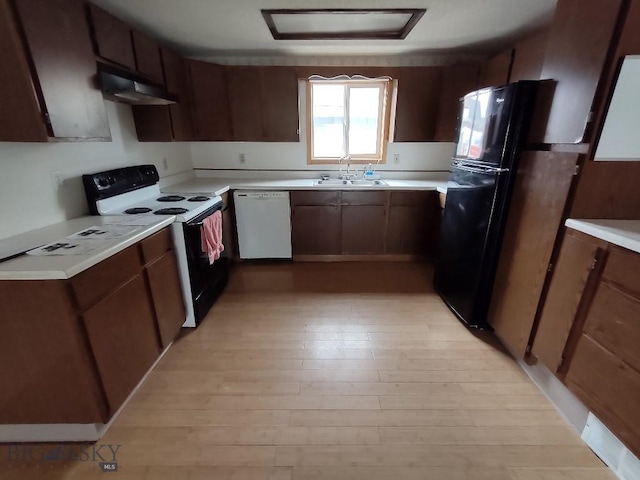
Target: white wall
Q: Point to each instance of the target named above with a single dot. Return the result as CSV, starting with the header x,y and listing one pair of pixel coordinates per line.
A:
x,y
29,196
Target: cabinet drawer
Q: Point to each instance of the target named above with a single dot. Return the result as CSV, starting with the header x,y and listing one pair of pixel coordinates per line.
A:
x,y
315,198
608,387
614,322
623,268
156,245
90,285
364,198
412,198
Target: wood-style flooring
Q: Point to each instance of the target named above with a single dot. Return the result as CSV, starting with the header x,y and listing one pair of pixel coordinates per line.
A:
x,y
335,371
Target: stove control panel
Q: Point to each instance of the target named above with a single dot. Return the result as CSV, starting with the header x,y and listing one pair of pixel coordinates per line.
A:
x,y
101,185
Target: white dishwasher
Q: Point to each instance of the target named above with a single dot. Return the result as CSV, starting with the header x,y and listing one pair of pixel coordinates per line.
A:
x,y
263,220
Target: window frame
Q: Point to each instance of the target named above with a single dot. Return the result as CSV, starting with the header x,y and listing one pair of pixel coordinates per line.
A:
x,y
385,107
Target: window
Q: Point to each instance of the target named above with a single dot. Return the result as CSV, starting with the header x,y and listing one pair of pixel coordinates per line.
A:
x,y
348,117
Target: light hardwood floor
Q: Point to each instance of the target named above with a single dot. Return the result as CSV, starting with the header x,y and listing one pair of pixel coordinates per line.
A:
x,y
336,371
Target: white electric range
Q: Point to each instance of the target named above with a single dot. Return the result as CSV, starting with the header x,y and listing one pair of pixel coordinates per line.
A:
x,y
135,191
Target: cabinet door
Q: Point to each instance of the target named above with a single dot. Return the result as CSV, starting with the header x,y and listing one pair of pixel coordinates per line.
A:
x,y
579,41
229,227
457,81
496,70
417,104
212,119
414,220
60,46
152,122
148,61
167,296
279,90
175,71
528,57
315,230
112,37
122,332
245,103
535,216
570,275
20,117
363,229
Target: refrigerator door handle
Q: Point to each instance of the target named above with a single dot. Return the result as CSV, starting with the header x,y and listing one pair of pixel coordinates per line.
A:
x,y
476,168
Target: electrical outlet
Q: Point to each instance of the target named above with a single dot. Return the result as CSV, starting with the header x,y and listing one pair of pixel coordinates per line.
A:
x,y
242,158
57,178
165,164
396,158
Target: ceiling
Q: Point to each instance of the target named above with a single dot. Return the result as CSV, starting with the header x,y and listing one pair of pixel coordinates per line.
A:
x,y
235,28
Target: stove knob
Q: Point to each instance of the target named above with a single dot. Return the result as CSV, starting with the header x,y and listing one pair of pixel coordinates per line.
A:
x,y
103,182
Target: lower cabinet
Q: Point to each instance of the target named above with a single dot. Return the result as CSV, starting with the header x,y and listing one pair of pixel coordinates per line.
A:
x,y
364,222
73,350
589,331
122,334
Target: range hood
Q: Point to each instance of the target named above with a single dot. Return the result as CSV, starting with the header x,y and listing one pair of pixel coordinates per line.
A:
x,y
123,86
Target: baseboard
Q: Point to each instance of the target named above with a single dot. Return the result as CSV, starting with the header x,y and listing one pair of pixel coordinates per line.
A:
x,y
359,258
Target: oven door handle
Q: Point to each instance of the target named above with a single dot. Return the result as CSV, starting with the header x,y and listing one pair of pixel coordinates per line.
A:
x,y
200,218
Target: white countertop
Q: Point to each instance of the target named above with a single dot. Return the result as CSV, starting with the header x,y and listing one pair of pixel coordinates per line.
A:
x,y
218,186
624,233
30,267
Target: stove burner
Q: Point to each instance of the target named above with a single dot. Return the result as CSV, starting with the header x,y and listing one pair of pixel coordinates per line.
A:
x,y
171,198
171,211
199,198
136,210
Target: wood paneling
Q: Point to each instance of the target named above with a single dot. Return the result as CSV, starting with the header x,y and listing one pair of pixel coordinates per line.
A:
x,y
123,338
148,61
573,268
608,387
457,81
363,229
622,270
245,103
528,57
608,190
92,284
112,37
166,293
47,372
175,71
417,104
156,245
535,216
211,114
315,230
60,47
579,41
20,117
496,71
279,89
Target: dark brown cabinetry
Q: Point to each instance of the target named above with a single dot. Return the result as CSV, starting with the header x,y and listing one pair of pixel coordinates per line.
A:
x,y
535,216
112,38
60,100
417,104
575,264
315,223
176,80
528,57
363,223
123,338
75,349
414,221
497,70
211,114
245,103
457,81
578,47
148,61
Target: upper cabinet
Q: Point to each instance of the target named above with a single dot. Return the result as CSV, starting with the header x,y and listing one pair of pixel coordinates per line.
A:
x,y
279,88
59,97
457,80
112,38
175,72
497,70
211,116
528,57
417,104
245,102
580,38
148,61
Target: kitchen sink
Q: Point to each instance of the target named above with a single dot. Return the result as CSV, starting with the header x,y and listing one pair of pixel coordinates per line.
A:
x,y
346,183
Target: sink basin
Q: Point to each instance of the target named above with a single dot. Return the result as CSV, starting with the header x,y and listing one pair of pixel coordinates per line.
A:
x,y
332,181
356,183
368,183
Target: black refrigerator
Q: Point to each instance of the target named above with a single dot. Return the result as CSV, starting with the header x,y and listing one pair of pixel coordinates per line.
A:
x,y
492,128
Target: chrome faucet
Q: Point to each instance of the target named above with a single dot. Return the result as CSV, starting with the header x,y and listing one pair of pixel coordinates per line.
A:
x,y
348,175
